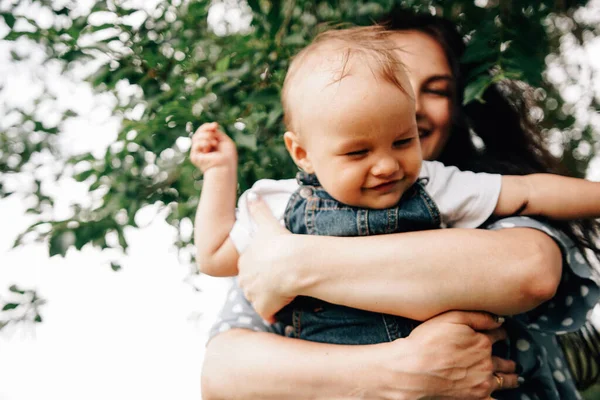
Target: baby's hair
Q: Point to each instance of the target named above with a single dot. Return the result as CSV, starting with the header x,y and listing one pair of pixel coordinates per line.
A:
x,y
371,43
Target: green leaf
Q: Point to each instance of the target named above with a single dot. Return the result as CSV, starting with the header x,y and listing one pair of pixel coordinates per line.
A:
x,y
59,243
9,19
15,56
480,49
99,6
481,69
245,140
223,64
12,35
122,240
475,89
255,5
274,116
70,114
96,28
15,289
40,127
82,176
115,267
38,318
294,40
10,306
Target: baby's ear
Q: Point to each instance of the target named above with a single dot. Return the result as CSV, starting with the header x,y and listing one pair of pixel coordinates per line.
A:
x,y
297,151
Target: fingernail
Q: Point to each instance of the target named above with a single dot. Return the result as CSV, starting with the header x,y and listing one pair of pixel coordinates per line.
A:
x,y
499,319
252,197
520,380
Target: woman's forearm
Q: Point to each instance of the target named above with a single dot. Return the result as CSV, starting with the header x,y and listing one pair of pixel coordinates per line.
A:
x,y
430,363
421,274
284,368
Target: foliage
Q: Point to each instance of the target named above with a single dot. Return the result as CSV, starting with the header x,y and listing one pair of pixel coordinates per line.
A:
x,y
183,74
22,305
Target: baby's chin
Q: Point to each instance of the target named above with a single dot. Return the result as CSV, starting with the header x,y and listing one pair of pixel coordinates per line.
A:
x,y
382,202
383,205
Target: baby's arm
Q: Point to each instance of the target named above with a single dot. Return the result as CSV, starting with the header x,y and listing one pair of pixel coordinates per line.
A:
x,y
553,196
214,153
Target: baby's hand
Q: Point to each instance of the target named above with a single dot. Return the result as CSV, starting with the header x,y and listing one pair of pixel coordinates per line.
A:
x,y
212,148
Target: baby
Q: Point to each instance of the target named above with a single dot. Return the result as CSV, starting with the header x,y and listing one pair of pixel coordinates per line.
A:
x,y
352,130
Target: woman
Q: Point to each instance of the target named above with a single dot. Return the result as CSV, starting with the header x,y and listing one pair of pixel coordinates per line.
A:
x,y
507,271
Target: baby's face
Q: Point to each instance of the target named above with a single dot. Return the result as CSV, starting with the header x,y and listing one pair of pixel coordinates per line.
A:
x,y
361,139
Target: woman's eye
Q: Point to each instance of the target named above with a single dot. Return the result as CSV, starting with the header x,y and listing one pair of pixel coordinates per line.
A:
x,y
357,153
438,92
403,142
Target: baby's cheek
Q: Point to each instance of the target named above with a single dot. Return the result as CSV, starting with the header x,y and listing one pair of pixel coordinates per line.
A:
x,y
348,187
413,162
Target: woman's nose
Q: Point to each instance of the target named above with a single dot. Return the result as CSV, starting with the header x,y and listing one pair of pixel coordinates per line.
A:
x,y
386,166
418,105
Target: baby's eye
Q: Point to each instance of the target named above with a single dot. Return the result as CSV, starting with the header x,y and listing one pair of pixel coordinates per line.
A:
x,y
357,153
403,142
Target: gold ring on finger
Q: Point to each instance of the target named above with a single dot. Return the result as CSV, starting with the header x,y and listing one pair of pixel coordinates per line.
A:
x,y
500,380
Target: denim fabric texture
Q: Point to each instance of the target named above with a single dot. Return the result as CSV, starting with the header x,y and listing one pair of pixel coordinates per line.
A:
x,y
311,210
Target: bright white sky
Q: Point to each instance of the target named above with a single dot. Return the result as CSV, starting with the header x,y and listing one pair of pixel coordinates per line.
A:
x,y
134,334
138,333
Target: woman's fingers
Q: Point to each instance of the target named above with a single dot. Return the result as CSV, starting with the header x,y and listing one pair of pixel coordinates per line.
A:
x,y
261,213
503,381
504,366
495,335
504,374
478,321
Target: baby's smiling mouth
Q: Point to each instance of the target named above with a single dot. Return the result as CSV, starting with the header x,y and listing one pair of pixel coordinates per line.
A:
x,y
382,187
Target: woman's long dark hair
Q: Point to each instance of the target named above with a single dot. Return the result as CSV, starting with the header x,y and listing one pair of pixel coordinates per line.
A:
x,y
511,143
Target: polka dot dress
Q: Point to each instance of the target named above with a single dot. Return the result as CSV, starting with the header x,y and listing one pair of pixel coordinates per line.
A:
x,y
238,313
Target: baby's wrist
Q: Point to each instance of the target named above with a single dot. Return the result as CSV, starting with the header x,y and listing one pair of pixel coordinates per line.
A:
x,y
220,171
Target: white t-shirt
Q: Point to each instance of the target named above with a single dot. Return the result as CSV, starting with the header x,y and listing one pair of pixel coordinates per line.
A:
x,y
465,199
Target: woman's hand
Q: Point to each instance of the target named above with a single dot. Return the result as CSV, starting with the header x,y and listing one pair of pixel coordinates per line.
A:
x,y
452,353
264,274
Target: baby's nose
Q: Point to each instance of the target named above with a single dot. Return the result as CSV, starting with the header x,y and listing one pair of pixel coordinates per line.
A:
x,y
386,166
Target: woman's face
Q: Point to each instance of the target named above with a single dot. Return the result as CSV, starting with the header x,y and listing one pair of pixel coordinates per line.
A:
x,y
433,84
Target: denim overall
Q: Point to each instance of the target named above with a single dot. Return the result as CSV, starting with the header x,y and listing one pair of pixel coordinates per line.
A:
x,y
311,210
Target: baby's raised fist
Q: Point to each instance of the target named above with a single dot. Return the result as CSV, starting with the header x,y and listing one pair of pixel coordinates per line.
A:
x,y
212,148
